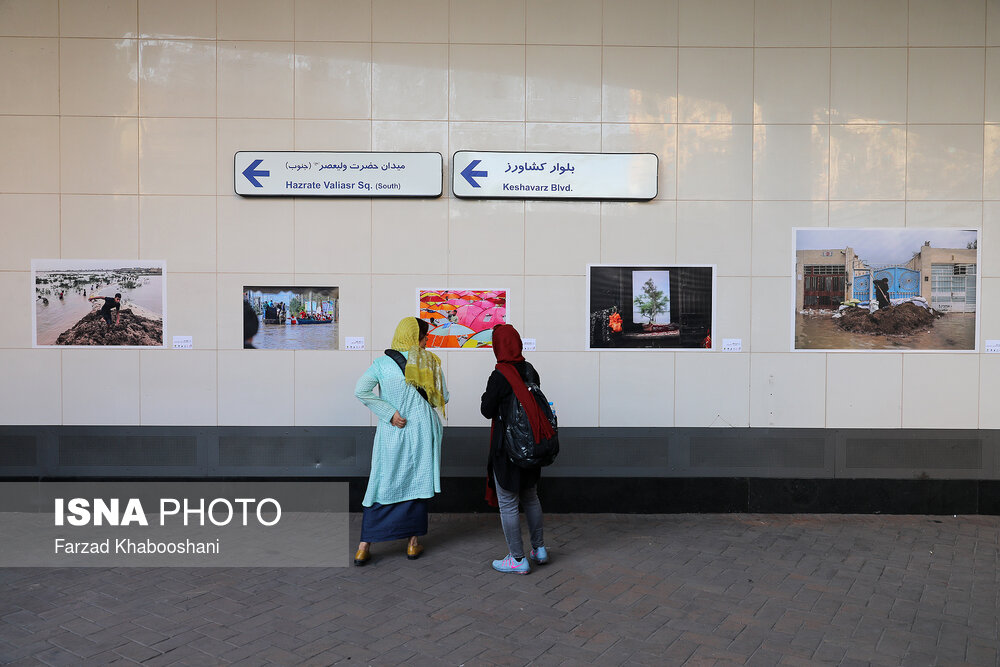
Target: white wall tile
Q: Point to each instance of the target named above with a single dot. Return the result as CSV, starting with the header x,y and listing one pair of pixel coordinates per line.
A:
x,y
944,162
572,227
791,85
639,84
177,156
194,308
715,233
409,236
715,85
29,226
563,83
98,77
487,136
868,86
177,78
654,222
989,391
410,81
486,237
715,23
29,76
30,140
498,96
410,20
864,390
783,390
487,21
29,18
867,214
255,235
333,135
640,22
940,391
15,328
867,162
468,371
947,22
992,23
732,311
791,161
647,138
563,137
100,387
178,387
989,315
714,162
772,244
961,214
568,379
772,313
396,297
180,230
100,227
112,143
555,312
30,392
792,22
333,236
268,135
256,80
946,86
712,390
256,19
989,253
324,388
333,20
98,18
178,19
992,85
637,389
333,80
256,387
869,22
412,136
564,21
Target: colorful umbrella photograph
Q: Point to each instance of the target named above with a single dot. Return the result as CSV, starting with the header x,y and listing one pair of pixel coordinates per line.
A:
x,y
462,318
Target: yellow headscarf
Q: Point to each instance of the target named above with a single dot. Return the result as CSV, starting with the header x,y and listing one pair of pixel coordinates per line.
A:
x,y
423,368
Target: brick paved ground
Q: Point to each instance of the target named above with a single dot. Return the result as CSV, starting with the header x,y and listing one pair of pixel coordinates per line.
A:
x,y
657,590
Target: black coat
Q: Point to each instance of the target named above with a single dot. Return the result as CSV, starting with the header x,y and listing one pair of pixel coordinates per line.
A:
x,y
498,390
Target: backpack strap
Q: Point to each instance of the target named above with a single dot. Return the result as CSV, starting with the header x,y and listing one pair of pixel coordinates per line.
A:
x,y
400,360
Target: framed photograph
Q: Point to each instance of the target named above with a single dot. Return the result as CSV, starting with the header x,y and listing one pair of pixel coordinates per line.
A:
x,y
650,307
98,302
462,318
892,289
292,318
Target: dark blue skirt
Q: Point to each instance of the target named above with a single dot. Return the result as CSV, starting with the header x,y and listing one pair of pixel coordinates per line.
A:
x,y
381,523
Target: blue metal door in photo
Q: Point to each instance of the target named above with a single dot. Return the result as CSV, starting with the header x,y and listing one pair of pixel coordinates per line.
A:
x,y
499,175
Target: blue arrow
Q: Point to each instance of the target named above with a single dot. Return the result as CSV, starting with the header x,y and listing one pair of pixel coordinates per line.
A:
x,y
468,173
251,172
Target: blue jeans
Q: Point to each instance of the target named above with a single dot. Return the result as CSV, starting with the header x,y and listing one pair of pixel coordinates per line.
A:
x,y
510,521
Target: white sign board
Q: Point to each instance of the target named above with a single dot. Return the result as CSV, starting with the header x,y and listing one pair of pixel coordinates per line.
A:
x,y
183,342
732,344
334,174
354,343
495,175
993,347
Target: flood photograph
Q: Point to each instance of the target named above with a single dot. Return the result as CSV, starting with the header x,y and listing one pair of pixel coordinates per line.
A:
x,y
88,302
886,289
294,318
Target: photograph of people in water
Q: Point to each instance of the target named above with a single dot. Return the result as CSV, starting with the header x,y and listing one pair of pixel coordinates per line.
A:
x,y
886,289
98,302
293,318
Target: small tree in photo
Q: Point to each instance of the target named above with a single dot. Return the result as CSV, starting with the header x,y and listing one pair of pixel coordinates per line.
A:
x,y
652,302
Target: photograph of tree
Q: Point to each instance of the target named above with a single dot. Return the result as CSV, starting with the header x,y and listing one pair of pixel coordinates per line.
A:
x,y
886,289
650,307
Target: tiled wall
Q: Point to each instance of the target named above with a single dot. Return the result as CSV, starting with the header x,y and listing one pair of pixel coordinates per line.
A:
x,y
119,120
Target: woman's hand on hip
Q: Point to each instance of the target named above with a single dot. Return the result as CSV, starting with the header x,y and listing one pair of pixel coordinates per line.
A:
x,y
397,420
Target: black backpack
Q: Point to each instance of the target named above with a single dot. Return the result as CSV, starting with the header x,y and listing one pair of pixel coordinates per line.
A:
x,y
519,441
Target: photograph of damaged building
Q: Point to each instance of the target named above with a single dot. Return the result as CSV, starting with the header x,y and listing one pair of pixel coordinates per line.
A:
x,y
886,289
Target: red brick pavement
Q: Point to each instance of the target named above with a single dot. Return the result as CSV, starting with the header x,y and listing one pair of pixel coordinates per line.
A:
x,y
621,589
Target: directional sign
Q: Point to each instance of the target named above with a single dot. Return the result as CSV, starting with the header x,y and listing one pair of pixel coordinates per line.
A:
x,y
334,174
497,175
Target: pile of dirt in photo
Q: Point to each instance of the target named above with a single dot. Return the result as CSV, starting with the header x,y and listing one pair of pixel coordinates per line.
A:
x,y
906,318
132,329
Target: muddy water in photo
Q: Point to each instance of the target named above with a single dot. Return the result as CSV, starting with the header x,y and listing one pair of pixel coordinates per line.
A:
x,y
296,337
59,315
952,331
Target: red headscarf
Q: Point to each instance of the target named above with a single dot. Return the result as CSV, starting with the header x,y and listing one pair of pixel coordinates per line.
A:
x,y
507,348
